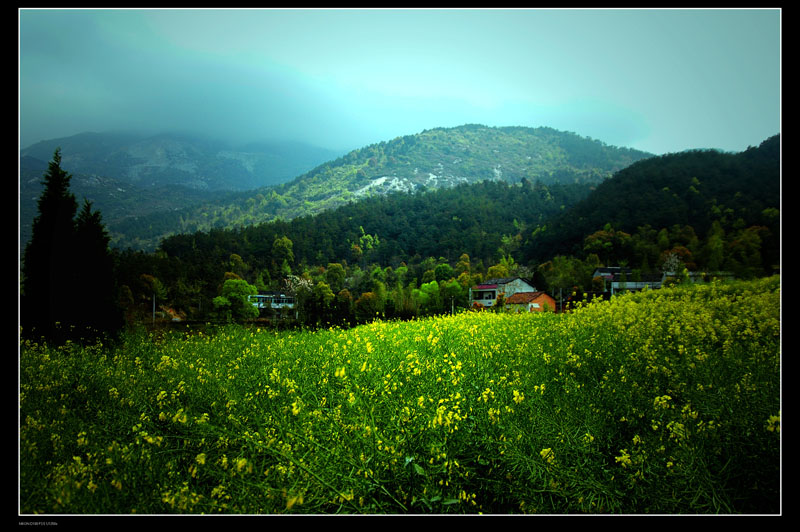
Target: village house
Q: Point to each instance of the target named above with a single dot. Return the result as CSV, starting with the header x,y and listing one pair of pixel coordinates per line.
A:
x,y
627,283
486,294
608,273
617,280
530,302
273,300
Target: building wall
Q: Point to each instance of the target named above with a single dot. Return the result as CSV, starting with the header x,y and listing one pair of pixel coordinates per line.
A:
x,y
540,304
517,285
508,289
484,297
546,303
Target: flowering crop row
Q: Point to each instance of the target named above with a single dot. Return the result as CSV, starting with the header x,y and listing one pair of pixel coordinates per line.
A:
x,y
664,401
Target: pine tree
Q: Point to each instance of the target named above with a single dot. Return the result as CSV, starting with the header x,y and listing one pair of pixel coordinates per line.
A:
x,y
95,305
47,277
68,285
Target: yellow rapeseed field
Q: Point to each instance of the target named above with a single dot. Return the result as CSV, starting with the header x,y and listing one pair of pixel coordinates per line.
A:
x,y
665,401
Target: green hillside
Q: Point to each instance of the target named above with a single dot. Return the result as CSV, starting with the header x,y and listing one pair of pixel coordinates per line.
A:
x,y
699,191
434,159
711,211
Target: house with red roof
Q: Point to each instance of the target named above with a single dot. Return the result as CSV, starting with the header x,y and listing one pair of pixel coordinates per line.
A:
x,y
530,302
486,294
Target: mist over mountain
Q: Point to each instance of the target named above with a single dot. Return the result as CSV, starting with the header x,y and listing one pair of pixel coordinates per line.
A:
x,y
128,175
179,159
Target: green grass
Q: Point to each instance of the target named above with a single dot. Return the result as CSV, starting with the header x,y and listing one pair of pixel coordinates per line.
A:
x,y
658,402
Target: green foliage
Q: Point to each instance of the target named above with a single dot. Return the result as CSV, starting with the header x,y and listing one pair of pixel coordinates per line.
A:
x,y
232,303
691,189
560,233
465,154
335,276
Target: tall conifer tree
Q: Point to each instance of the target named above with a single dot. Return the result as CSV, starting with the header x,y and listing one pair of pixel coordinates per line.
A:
x,y
47,276
68,284
95,304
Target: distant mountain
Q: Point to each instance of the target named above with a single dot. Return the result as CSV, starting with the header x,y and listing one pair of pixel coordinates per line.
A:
x,y
443,157
432,159
721,208
172,159
132,177
151,187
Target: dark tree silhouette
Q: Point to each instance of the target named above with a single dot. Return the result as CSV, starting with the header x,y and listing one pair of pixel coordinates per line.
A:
x,y
67,289
47,277
95,305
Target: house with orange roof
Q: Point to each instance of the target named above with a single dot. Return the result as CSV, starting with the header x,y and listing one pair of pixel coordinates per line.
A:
x,y
530,302
486,293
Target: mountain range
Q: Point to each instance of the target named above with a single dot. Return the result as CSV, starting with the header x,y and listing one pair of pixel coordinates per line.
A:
x,y
715,210
128,176
192,162
148,188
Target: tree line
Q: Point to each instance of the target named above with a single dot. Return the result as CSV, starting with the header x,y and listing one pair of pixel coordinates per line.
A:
x,y
406,255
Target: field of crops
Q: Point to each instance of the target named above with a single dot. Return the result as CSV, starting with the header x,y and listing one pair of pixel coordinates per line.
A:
x,y
658,402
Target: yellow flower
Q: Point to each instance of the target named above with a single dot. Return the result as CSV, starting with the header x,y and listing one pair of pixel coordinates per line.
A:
x,y
518,397
662,401
774,423
295,499
624,459
548,455
201,458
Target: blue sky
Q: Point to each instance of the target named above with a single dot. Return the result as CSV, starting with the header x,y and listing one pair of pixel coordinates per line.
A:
x,y
656,80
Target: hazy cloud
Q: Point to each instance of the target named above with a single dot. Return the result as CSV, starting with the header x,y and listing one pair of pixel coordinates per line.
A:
x,y
655,80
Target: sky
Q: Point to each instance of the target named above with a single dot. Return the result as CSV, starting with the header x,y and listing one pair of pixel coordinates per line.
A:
x,y
661,81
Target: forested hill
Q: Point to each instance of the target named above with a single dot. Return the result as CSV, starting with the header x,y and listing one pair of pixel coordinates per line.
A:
x,y
531,222
706,211
433,159
485,220
140,183
700,191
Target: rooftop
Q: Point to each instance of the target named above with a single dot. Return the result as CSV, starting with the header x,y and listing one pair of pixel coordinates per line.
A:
x,y
524,297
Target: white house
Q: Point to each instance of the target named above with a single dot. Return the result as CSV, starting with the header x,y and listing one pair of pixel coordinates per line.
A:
x,y
274,300
624,283
487,293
